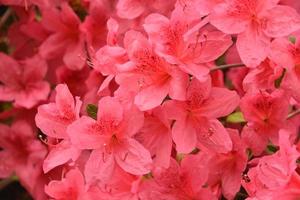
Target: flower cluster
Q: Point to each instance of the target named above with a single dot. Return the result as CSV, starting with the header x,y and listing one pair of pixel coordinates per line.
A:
x,y
151,99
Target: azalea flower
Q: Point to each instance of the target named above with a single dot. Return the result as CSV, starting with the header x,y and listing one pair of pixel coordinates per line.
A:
x,y
196,122
111,138
23,83
255,22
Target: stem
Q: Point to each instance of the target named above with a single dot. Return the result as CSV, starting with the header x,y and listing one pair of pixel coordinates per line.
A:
x,y
5,16
8,113
293,114
220,67
5,182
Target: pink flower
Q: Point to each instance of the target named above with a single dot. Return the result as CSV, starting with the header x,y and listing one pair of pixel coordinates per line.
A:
x,y
262,77
147,73
287,55
196,117
23,81
20,148
130,9
22,154
26,35
65,40
110,136
183,41
53,120
255,22
274,174
180,182
266,114
121,185
227,168
156,136
69,188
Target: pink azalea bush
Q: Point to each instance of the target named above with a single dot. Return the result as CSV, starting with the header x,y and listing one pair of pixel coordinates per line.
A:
x,y
150,100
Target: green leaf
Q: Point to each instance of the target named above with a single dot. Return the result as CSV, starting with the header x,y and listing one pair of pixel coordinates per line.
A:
x,y
221,60
292,39
271,148
148,176
236,117
92,110
279,80
249,153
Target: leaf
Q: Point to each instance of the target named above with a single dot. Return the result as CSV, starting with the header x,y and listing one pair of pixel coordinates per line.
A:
x,y
279,80
249,153
92,110
236,117
271,148
148,176
292,39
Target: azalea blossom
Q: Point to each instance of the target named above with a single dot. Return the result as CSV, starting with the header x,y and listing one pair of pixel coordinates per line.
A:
x,y
255,22
152,99
53,119
23,83
196,122
111,138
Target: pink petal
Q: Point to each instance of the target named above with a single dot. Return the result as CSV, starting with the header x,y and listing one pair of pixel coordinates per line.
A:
x,y
178,85
184,136
111,109
35,69
130,9
255,141
8,76
253,46
224,100
64,100
282,21
84,134
6,164
198,70
156,137
145,100
99,167
134,41
60,154
175,110
213,136
199,91
134,158
72,184
210,46
154,22
30,98
74,57
53,46
49,121
133,120
281,52
231,183
227,23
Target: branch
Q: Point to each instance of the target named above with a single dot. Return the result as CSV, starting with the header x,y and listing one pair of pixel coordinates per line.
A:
x,y
5,16
220,67
293,114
